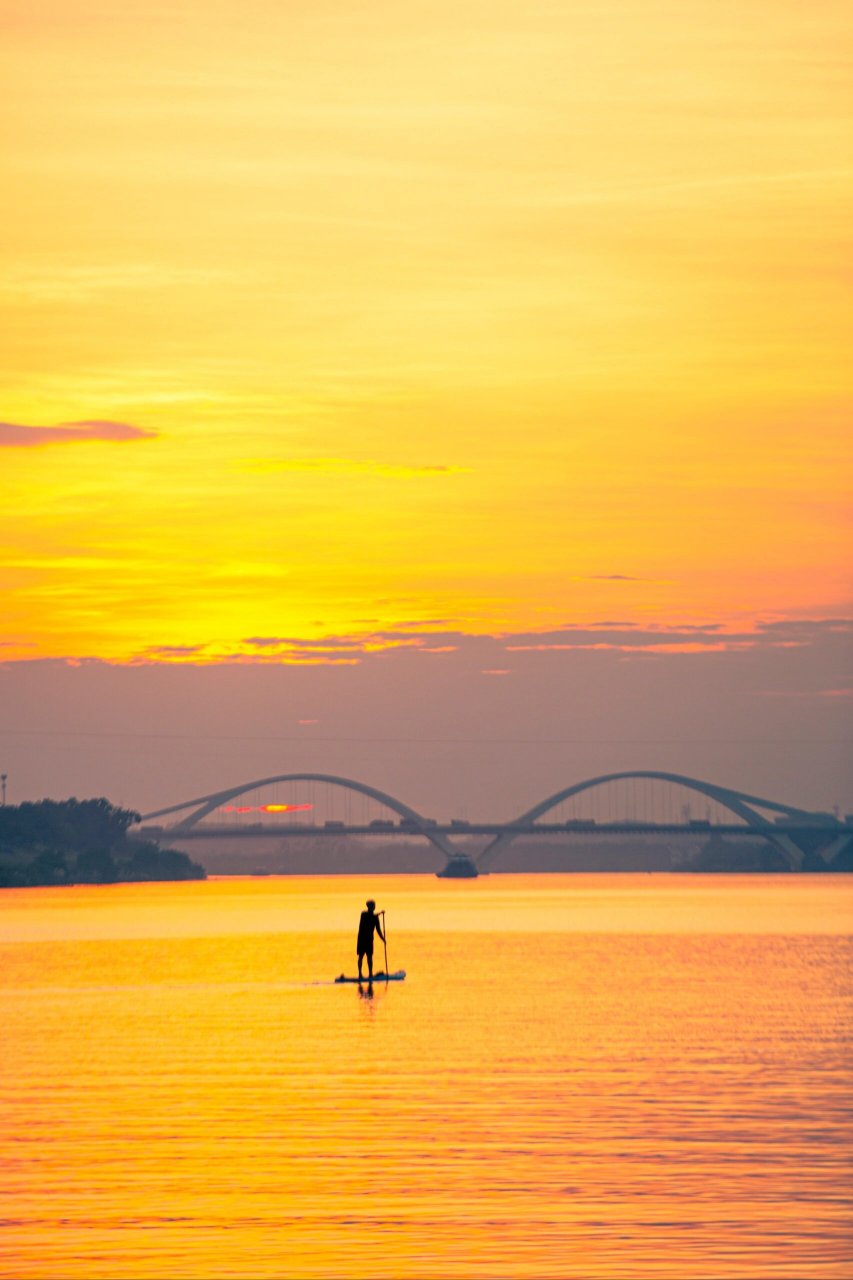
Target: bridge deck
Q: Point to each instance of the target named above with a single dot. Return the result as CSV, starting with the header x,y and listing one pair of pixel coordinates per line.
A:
x,y
292,830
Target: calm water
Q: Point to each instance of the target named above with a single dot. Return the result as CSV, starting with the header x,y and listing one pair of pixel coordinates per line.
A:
x,y
583,1076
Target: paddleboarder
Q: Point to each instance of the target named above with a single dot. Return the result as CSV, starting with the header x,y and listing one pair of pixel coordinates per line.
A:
x,y
368,924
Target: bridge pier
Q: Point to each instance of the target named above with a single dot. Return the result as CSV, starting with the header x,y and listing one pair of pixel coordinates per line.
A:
x,y
837,845
797,850
458,867
788,847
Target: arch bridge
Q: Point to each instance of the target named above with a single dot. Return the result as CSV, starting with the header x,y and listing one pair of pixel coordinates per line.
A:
x,y
788,829
739,804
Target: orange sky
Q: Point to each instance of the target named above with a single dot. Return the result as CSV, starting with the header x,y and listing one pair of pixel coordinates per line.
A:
x,y
509,317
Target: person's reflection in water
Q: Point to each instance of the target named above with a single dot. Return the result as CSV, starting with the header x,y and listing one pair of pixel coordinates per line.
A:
x,y
365,992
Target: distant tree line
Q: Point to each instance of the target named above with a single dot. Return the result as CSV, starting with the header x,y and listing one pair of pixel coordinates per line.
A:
x,y
51,842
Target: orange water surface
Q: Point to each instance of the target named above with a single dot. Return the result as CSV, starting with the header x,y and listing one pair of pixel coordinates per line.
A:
x,y
582,1076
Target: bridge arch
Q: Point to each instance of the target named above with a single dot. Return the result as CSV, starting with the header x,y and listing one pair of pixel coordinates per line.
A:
x,y
736,802
206,804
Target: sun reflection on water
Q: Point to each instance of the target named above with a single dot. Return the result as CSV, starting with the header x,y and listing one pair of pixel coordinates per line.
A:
x,y
563,1086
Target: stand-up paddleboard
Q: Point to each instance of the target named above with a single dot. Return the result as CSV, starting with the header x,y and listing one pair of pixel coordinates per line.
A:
x,y
377,977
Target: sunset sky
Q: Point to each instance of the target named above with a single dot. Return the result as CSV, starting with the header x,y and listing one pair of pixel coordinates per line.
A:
x,y
481,331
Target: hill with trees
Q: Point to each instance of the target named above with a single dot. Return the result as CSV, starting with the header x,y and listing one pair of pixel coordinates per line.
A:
x,y
54,842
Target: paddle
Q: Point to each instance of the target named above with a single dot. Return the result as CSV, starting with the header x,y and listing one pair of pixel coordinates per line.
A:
x,y
385,943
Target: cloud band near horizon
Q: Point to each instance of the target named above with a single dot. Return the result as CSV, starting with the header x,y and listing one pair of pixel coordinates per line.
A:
x,y
494,650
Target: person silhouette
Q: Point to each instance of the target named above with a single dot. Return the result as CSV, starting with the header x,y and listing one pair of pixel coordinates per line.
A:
x,y
368,924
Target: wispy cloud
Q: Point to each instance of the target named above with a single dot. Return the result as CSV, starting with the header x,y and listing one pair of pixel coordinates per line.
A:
x,y
329,648
82,283
807,626
734,183
351,467
167,651
14,435
686,638
618,577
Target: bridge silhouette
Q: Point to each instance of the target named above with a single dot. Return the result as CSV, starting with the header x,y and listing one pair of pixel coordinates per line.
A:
x,y
790,830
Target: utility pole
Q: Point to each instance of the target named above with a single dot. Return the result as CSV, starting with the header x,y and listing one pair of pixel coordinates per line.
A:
x,y
3,777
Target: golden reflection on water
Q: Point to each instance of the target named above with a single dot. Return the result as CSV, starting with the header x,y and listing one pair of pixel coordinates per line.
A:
x,y
583,1076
